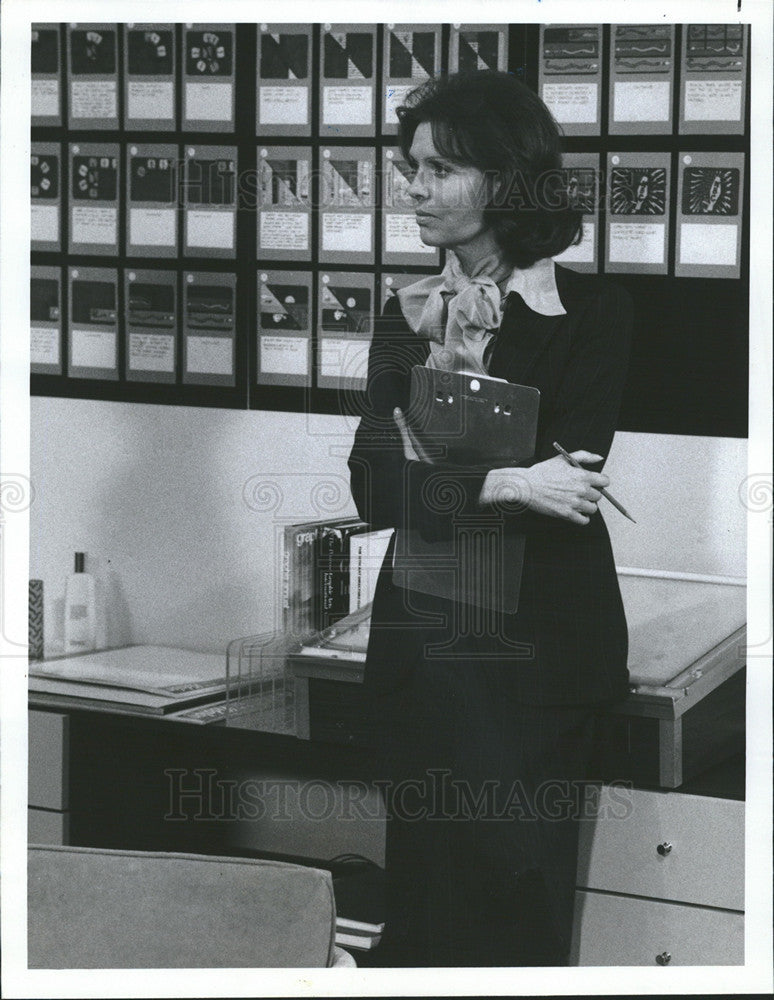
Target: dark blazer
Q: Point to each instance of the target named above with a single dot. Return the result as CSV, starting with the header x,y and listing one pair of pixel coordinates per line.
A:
x,y
567,643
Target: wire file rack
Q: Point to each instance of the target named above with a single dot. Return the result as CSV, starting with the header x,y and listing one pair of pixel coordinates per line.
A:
x,y
260,691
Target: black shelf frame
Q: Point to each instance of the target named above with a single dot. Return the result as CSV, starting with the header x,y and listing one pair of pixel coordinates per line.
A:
x,y
689,367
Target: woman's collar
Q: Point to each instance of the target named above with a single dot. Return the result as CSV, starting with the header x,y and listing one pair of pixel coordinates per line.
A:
x,y
422,302
537,286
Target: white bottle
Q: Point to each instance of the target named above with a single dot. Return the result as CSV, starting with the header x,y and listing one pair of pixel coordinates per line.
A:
x,y
80,626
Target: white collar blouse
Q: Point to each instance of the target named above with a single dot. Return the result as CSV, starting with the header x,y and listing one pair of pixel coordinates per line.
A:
x,y
460,314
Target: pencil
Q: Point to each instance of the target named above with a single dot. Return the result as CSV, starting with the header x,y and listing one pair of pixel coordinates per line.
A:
x,y
604,493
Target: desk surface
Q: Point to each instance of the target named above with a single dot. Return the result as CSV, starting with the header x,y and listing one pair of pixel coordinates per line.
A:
x,y
673,623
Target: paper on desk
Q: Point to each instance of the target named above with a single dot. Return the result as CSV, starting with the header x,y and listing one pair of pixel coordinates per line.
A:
x,y
106,695
161,670
347,639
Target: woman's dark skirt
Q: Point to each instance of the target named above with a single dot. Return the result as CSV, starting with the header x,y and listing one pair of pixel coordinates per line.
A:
x,y
482,795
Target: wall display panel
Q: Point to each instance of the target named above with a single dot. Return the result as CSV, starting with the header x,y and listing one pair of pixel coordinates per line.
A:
x,y
152,182
152,322
209,328
284,325
478,46
570,75
45,320
46,196
92,63
401,239
713,78
345,326
46,72
412,54
209,69
93,323
642,72
209,192
284,227
347,80
284,80
150,71
94,194
328,200
391,282
709,214
581,179
637,212
347,205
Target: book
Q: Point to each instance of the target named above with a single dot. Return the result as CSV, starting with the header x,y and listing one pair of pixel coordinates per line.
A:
x,y
470,421
298,562
333,568
366,555
360,907
359,927
358,941
315,576
285,584
330,569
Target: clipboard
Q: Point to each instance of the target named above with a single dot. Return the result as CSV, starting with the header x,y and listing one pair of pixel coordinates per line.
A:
x,y
471,421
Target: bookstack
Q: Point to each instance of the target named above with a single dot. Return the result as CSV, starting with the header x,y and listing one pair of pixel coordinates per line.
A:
x,y
329,571
359,934
359,895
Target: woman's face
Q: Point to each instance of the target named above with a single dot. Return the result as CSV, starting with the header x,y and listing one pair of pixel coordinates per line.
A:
x,y
449,198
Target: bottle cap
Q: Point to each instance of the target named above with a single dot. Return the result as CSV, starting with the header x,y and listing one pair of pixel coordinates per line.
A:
x,y
79,559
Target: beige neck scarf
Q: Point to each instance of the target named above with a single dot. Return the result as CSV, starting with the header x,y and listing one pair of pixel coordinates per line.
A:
x,y
459,313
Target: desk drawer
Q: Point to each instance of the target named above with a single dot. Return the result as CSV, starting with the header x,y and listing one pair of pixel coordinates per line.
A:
x,y
665,845
49,751
619,930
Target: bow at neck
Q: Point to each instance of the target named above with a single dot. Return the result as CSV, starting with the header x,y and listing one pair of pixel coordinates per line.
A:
x,y
460,313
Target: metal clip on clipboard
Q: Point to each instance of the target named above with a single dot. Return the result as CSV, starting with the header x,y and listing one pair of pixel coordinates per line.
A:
x,y
473,420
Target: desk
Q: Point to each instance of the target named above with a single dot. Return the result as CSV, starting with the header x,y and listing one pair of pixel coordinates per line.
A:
x,y
686,708
112,781
661,880
633,906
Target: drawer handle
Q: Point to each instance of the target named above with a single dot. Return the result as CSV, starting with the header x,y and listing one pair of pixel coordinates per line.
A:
x,y
664,849
664,958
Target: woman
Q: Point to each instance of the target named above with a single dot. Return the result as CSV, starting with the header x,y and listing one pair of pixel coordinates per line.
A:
x,y
483,719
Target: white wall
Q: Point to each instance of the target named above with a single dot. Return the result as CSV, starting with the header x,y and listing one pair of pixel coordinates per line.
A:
x,y
180,510
684,494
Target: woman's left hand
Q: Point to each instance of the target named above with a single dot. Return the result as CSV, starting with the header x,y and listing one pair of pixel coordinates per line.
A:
x,y
412,447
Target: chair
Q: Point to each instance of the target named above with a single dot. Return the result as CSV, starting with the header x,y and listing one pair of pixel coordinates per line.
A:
x,y
100,909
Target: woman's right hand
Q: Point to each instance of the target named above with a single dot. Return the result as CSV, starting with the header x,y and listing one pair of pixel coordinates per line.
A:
x,y
553,487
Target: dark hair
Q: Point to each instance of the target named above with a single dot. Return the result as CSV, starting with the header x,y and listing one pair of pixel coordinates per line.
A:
x,y
491,121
